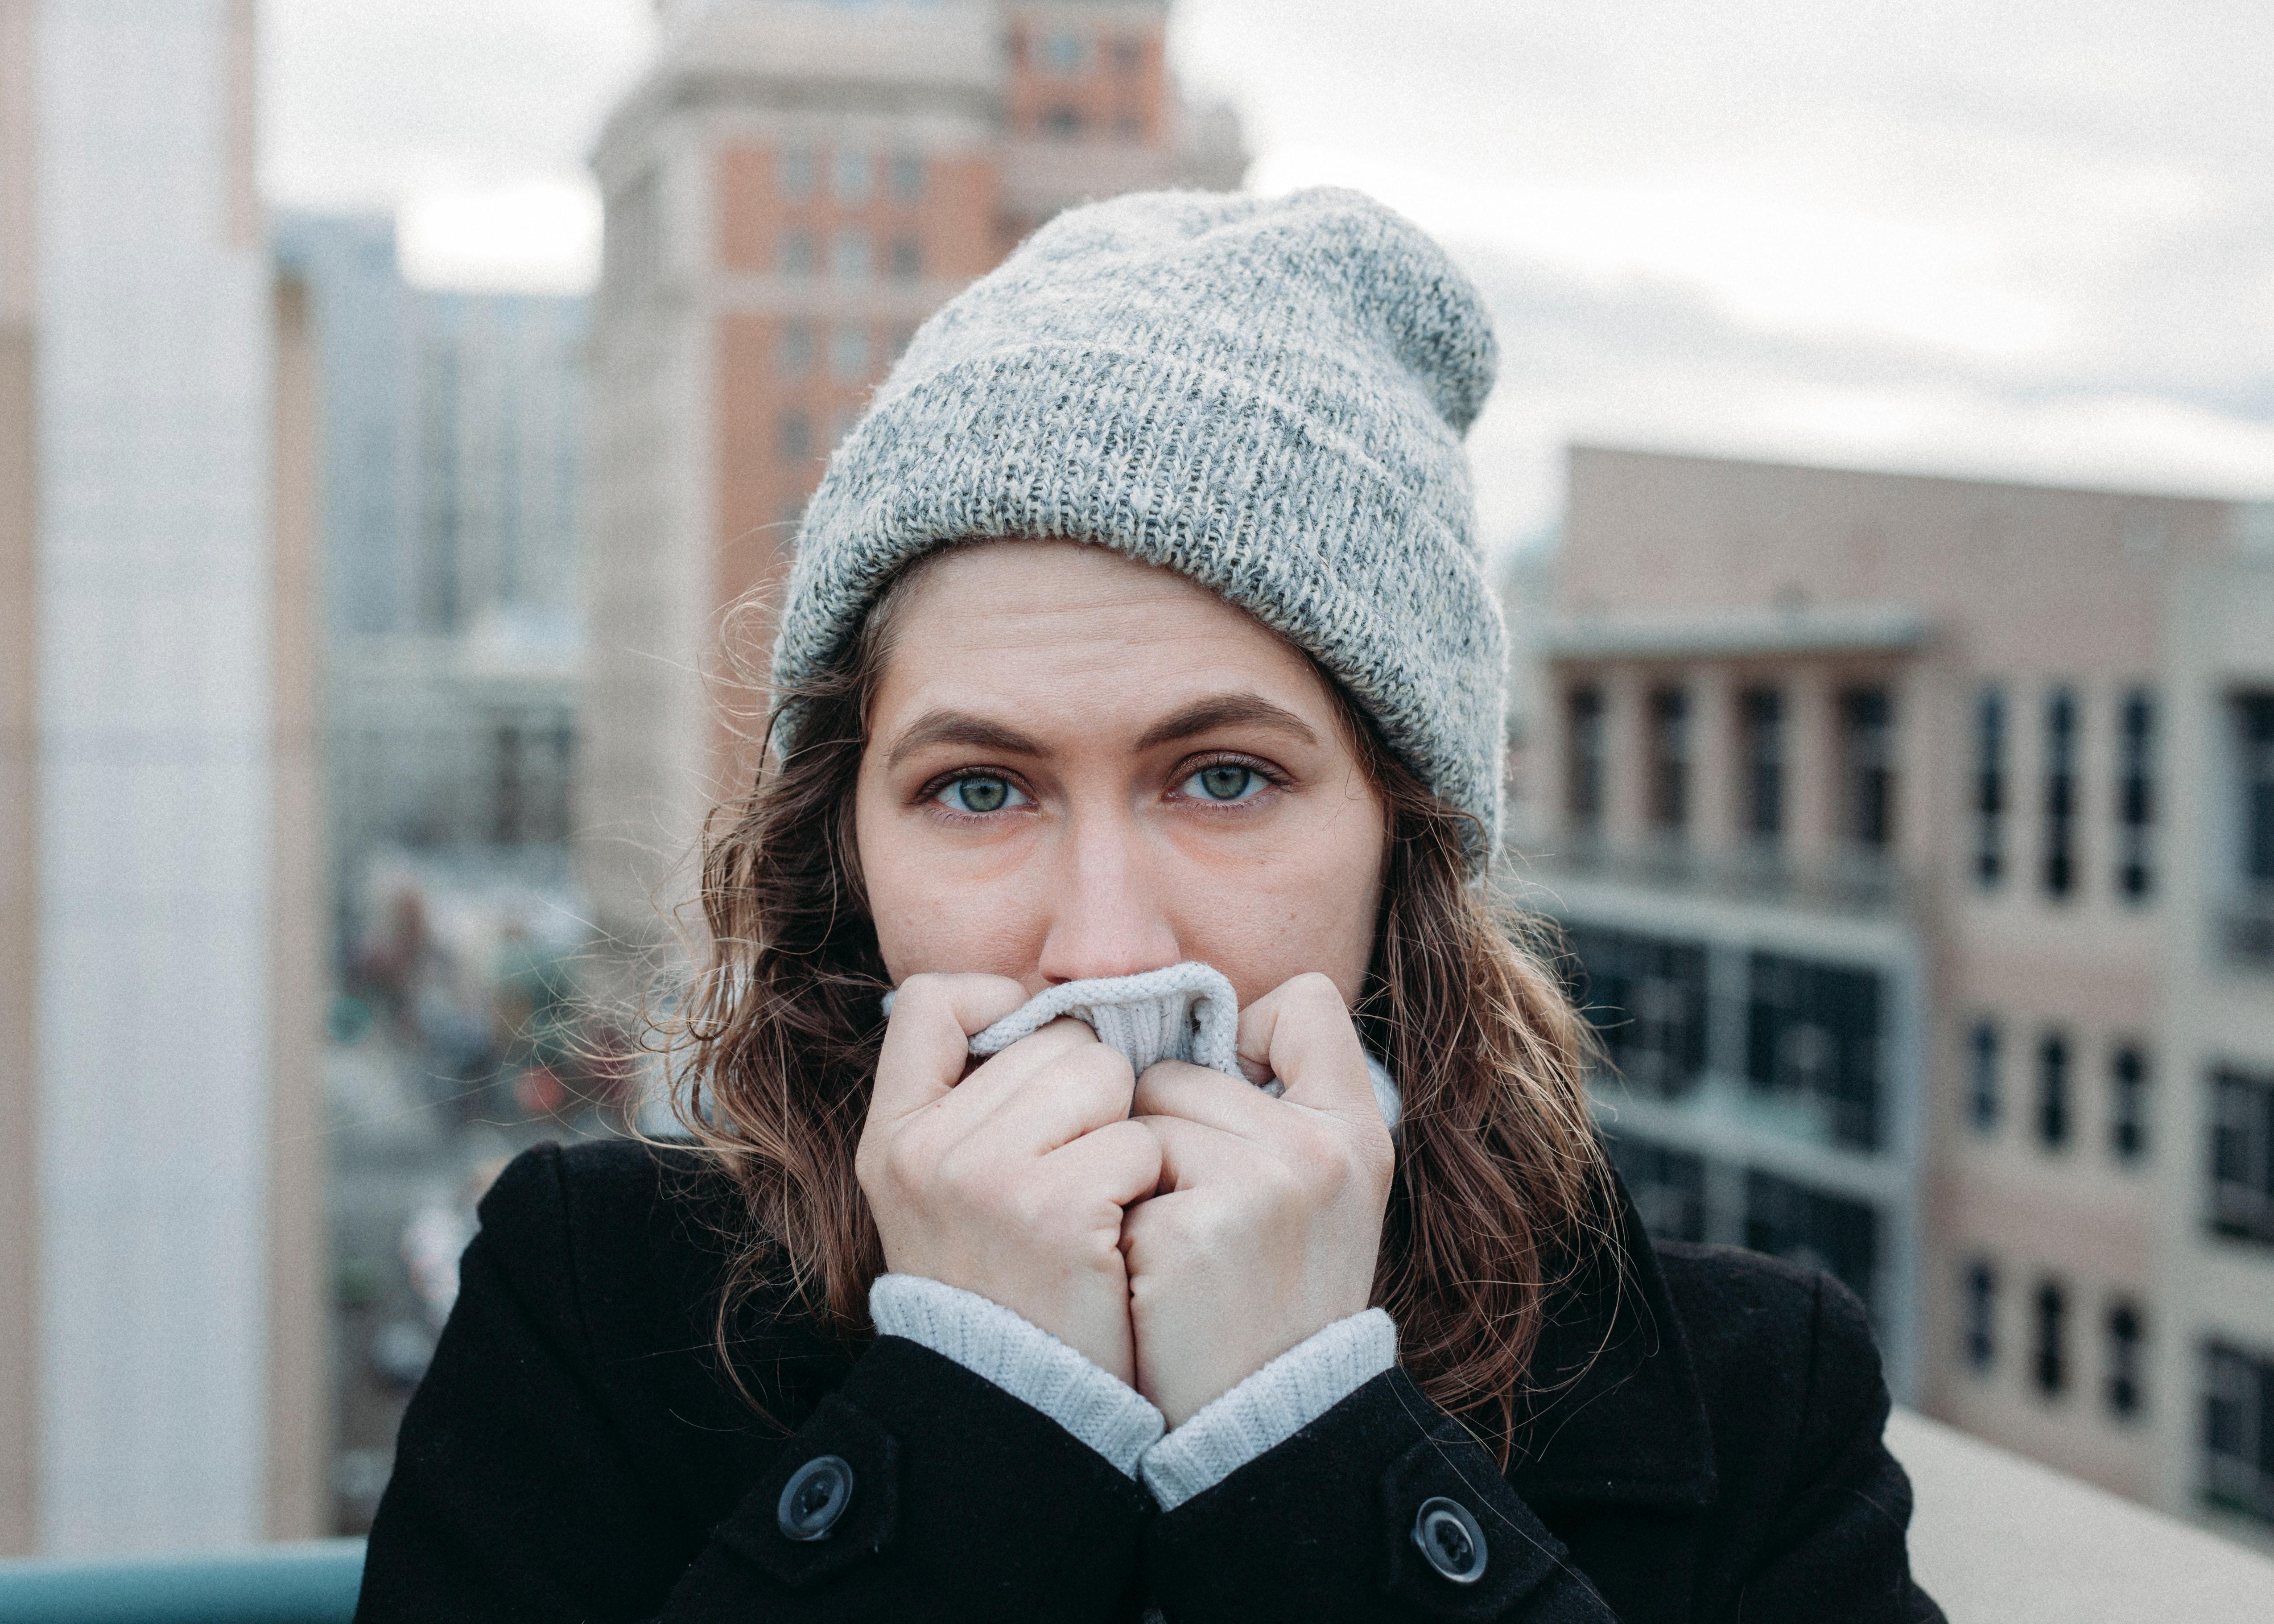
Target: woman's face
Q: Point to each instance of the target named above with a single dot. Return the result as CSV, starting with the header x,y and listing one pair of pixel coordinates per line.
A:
x,y
1080,766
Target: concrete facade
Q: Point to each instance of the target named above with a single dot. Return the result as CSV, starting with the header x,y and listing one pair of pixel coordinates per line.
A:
x,y
163,1228
1945,735
791,189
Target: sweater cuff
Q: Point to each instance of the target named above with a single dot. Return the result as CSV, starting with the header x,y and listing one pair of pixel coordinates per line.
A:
x,y
1270,1406
1021,1357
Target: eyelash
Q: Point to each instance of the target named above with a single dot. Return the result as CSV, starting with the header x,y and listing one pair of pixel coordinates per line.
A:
x,y
930,794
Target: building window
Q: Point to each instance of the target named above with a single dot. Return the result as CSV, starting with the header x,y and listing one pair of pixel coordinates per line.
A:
x,y
2049,1358
1815,1229
849,177
1583,779
2052,1091
907,176
1867,741
2250,914
794,172
796,437
2127,1102
1813,1038
842,422
903,336
1760,713
1990,788
1982,1094
1646,997
1064,53
1669,760
2136,791
848,354
793,353
2238,1430
1062,124
1668,1186
2056,873
797,254
1978,1339
848,256
1128,57
2125,1334
2242,1156
531,775
907,258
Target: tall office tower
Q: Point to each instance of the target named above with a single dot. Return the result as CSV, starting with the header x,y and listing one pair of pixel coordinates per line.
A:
x,y
161,1301
791,188
1905,831
451,429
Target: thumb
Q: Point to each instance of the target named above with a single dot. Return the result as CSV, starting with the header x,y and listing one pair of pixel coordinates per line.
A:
x,y
1302,1032
928,1038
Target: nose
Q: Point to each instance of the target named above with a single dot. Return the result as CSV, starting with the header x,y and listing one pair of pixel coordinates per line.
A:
x,y
1107,915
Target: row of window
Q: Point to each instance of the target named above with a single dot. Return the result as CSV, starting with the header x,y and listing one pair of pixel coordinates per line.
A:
x,y
1064,122
2242,1154
854,354
1780,1217
2051,1366
851,255
852,174
1866,764
2052,1111
1065,54
2061,724
1812,1029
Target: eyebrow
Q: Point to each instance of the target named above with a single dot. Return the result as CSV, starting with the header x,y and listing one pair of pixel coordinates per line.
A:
x,y
960,727
1225,710
1202,716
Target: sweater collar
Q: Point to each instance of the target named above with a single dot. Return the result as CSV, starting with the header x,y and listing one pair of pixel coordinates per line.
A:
x,y
1618,1415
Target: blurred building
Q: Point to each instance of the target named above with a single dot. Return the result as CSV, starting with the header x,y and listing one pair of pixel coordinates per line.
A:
x,y
160,1270
450,426
1915,840
791,188
449,433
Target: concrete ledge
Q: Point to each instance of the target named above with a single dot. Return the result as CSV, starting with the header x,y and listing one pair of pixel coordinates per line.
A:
x,y
1997,1539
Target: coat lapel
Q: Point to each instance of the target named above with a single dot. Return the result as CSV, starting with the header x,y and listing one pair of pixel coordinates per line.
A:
x,y
1616,1415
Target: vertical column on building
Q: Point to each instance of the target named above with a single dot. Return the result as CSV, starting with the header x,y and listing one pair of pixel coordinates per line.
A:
x,y
1713,765
1626,776
1923,743
1812,778
19,882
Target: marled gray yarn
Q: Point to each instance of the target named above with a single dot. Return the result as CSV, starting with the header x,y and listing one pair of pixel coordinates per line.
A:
x,y
1267,396
1183,1012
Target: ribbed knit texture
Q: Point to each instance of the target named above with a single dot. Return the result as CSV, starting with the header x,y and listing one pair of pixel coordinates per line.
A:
x,y
1021,1357
1029,1363
1270,1407
1185,1012
1267,396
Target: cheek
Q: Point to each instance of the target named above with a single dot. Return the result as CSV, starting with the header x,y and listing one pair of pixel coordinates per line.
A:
x,y
931,917
1311,907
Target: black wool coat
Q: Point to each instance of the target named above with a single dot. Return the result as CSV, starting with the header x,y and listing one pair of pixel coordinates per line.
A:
x,y
579,1452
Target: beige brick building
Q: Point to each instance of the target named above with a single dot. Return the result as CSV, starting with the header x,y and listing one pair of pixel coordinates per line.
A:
x,y
1906,831
790,188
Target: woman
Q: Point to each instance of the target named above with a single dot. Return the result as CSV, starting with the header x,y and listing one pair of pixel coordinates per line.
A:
x,y
1138,708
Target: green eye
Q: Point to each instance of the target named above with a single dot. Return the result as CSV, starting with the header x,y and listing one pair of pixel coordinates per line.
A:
x,y
1226,781
978,794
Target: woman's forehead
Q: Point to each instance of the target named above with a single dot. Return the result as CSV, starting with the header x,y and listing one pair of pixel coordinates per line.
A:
x,y
1080,633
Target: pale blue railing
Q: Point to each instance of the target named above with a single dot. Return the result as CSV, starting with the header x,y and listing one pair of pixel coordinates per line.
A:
x,y
310,1583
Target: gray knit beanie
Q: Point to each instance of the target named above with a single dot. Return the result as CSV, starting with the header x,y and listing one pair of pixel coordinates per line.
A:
x,y
1265,395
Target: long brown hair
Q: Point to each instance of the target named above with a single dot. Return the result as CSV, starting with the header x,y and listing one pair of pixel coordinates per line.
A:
x,y
1500,1185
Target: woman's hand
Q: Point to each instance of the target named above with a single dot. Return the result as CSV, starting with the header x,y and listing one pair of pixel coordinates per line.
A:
x,y
1010,1182
1269,1212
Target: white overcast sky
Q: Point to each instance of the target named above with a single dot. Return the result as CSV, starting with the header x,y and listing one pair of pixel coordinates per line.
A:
x,y
2028,240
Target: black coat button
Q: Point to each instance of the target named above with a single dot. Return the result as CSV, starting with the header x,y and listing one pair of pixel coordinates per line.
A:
x,y
1450,1541
814,1497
